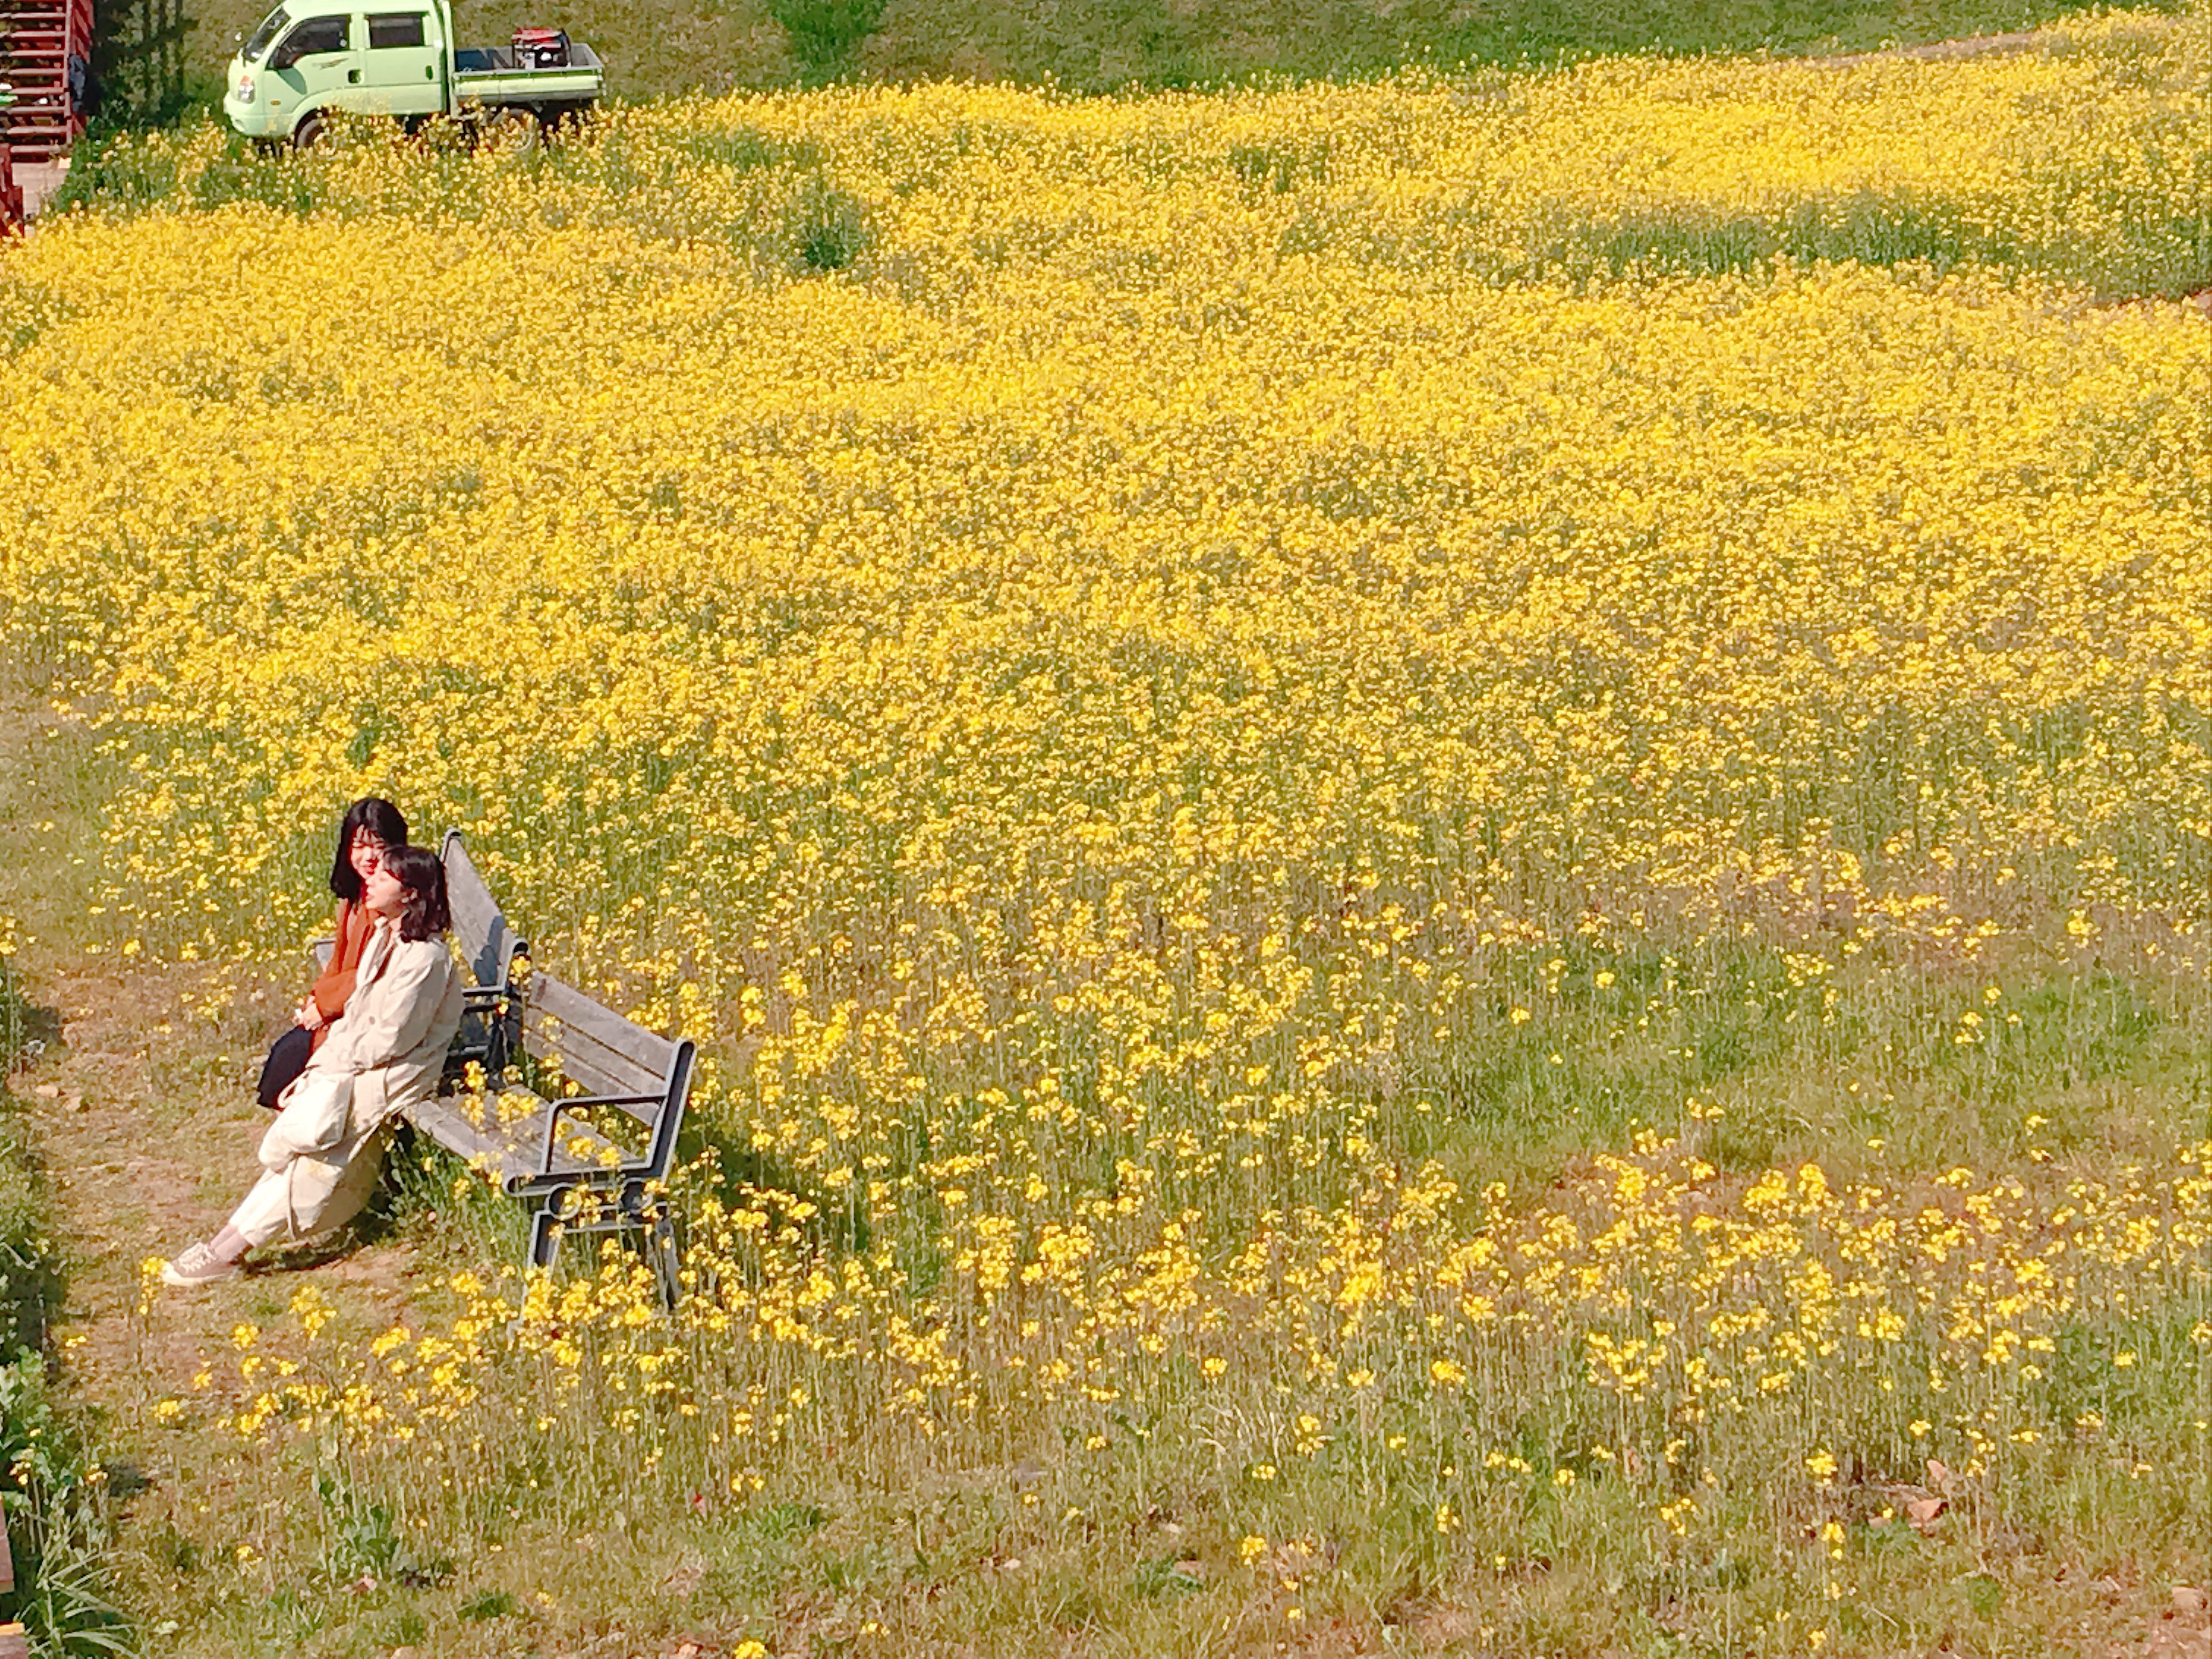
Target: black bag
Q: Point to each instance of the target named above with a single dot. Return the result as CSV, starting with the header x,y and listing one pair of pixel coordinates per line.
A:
x,y
288,1057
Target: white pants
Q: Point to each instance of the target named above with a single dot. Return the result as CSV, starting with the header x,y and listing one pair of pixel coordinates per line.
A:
x,y
302,1198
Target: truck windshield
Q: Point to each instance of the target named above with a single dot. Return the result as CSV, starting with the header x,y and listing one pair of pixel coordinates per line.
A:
x,y
271,27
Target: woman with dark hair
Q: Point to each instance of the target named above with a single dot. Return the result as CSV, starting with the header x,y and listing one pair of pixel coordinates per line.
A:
x,y
372,827
385,1053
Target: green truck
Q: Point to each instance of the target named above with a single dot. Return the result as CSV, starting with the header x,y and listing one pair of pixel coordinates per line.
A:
x,y
312,57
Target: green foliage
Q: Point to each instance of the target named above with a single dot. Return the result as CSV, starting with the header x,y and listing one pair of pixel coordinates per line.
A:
x,y
51,1489
138,53
15,1020
57,1521
486,1605
1164,1574
1280,166
30,1287
110,171
792,218
367,1542
825,36
782,1522
829,230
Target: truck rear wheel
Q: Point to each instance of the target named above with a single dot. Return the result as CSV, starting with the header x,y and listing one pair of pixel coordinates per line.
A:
x,y
511,130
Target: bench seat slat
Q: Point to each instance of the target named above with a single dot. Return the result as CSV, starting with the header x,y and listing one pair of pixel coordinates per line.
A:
x,y
566,1038
601,1072
499,1150
512,1150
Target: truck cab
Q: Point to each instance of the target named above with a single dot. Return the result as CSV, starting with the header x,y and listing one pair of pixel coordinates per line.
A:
x,y
312,55
388,58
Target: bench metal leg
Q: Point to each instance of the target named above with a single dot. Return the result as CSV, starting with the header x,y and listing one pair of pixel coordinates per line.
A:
x,y
544,1240
661,1248
550,1224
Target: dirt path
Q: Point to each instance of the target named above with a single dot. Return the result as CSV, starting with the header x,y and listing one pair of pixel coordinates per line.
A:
x,y
141,1101
148,1142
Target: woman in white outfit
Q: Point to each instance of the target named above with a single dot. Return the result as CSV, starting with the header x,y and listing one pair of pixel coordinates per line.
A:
x,y
388,1048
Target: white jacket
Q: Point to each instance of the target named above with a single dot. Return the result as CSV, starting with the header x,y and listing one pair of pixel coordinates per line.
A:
x,y
391,1041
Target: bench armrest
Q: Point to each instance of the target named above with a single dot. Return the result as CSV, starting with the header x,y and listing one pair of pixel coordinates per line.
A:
x,y
553,1125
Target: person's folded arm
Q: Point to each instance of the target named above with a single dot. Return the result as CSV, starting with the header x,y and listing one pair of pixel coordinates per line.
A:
x,y
330,991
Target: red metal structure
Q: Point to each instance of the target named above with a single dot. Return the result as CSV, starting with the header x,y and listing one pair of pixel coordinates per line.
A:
x,y
11,196
46,58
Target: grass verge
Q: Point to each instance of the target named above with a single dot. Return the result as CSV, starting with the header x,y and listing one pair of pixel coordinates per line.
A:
x,y
53,1490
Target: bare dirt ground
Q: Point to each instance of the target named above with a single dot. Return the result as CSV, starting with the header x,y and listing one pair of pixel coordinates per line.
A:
x,y
141,1091
148,1142
39,181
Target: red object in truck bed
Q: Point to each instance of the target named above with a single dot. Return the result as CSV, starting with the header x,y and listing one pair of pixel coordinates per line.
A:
x,y
535,48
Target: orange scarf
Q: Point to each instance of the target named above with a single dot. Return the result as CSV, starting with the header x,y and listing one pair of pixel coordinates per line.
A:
x,y
350,932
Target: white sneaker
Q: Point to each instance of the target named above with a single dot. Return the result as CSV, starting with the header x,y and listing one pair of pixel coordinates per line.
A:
x,y
196,1264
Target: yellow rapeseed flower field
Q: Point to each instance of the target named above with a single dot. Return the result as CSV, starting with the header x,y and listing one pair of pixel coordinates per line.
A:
x,y
1449,805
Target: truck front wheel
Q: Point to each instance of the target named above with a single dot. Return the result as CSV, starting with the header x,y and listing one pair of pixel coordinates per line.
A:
x,y
310,131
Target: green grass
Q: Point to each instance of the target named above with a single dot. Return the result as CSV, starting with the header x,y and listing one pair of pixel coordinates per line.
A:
x,y
54,1498
1045,1544
654,50
27,1287
2091,1063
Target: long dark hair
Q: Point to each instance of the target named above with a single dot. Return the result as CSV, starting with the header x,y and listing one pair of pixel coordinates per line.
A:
x,y
421,875
381,819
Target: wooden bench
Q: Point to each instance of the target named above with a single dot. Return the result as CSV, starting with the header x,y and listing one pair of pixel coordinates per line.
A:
x,y
578,1108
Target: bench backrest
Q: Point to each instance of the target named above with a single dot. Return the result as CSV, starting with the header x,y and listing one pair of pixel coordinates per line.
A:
x,y
609,1057
491,1024
488,944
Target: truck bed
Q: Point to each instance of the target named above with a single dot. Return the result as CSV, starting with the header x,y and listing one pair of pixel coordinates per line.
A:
x,y
489,74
